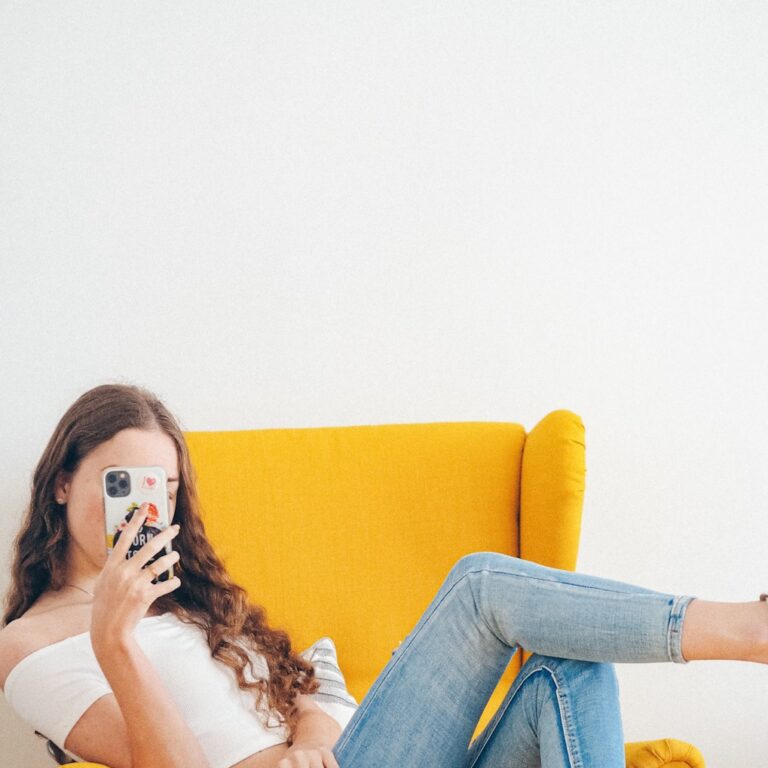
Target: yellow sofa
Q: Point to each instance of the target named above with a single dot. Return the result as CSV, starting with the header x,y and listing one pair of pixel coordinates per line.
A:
x,y
322,524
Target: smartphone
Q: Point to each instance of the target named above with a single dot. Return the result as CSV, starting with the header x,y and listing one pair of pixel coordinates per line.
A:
x,y
124,490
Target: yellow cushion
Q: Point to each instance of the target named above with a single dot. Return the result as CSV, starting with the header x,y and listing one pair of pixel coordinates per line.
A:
x,y
670,753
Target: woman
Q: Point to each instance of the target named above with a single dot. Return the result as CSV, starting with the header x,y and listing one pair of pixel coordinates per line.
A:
x,y
135,690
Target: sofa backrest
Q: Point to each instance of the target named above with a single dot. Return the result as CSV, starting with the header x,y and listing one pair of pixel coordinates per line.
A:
x,y
349,531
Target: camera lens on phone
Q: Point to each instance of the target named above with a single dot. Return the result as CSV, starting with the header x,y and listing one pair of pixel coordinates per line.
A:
x,y
111,477
123,483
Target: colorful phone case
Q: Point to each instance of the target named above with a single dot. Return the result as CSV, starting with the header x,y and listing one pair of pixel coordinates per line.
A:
x,y
143,484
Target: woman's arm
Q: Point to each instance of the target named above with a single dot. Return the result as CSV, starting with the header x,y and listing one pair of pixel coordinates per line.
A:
x,y
157,733
316,728
316,733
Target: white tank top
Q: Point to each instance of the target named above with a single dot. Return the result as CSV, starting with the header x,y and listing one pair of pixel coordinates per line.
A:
x,y
52,687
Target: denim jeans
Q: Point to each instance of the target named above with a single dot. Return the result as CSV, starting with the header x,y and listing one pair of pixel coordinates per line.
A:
x,y
562,710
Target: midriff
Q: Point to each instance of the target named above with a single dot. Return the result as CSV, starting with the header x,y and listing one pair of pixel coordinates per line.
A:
x,y
267,758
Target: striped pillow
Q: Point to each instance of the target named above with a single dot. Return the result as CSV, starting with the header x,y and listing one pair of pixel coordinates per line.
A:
x,y
332,696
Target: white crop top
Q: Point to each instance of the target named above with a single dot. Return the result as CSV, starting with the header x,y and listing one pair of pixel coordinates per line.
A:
x,y
52,687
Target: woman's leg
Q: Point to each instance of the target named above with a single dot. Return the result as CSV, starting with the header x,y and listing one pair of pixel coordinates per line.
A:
x,y
558,713
424,706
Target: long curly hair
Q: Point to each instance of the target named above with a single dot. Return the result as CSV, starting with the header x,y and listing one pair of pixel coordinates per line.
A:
x,y
207,595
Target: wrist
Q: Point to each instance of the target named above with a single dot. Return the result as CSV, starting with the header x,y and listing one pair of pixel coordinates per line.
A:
x,y
316,728
113,646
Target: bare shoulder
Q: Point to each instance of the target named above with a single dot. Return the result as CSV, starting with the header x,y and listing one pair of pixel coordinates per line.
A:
x,y
100,735
18,639
49,620
40,626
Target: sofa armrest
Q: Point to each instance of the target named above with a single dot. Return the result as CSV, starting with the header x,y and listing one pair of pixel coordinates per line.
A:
x,y
670,753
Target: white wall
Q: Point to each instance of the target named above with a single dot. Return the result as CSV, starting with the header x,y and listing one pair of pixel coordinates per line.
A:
x,y
330,213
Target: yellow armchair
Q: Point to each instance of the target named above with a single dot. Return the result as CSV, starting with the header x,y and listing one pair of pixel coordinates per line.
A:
x,y
318,523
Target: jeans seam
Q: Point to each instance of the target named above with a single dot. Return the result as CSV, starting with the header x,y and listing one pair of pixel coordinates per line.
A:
x,y
571,745
500,713
550,581
565,713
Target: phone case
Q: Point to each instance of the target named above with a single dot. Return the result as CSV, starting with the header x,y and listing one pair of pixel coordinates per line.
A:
x,y
124,490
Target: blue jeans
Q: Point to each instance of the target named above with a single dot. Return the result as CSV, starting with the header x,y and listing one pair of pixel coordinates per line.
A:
x,y
562,710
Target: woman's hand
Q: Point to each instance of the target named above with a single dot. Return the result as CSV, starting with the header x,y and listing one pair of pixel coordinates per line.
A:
x,y
124,590
308,756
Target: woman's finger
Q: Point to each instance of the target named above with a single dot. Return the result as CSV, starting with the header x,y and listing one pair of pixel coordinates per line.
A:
x,y
128,534
143,555
163,587
164,563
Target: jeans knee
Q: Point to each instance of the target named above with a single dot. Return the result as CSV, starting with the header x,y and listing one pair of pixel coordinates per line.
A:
x,y
479,560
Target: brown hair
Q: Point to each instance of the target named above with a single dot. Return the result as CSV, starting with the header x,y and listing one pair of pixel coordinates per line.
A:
x,y
207,595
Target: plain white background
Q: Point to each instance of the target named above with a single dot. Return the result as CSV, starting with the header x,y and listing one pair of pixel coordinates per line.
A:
x,y
334,213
